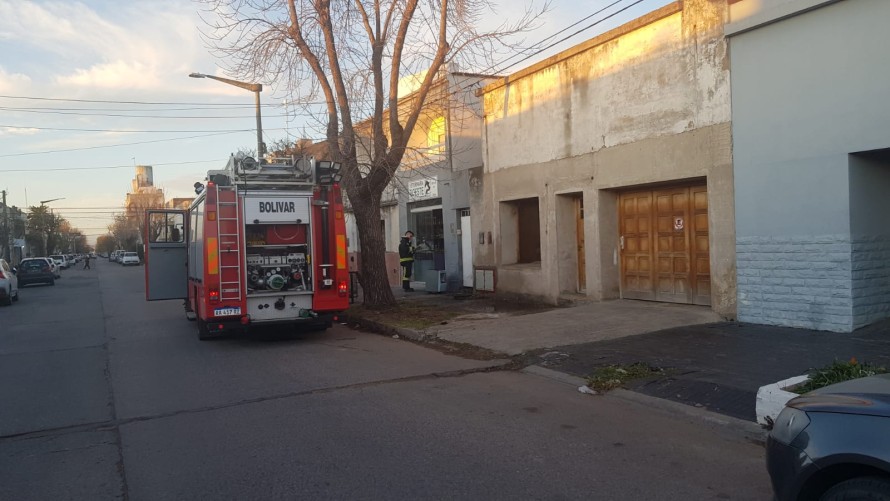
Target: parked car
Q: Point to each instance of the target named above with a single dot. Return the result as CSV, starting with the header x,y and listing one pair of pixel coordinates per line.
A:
x,y
130,258
35,270
61,260
833,443
9,284
57,270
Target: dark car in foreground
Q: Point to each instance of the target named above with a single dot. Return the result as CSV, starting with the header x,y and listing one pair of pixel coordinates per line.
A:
x,y
35,270
833,443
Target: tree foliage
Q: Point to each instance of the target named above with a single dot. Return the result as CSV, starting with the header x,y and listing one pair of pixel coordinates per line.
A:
x,y
343,61
48,233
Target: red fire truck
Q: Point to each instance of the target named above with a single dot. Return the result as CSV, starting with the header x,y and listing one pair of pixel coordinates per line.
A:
x,y
262,243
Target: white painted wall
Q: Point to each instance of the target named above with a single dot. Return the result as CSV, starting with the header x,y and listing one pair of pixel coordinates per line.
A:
x,y
808,90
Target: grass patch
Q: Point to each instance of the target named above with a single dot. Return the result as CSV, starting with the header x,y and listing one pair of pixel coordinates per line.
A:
x,y
614,376
405,315
836,373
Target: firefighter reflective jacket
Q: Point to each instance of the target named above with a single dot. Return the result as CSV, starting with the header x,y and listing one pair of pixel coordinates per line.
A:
x,y
406,251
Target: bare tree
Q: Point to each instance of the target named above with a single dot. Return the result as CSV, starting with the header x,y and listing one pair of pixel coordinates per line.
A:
x,y
343,60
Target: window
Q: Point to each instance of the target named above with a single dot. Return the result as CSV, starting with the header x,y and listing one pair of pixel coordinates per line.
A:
x,y
520,231
435,136
166,227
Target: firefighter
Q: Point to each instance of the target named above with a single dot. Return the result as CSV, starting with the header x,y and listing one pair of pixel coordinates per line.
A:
x,y
406,259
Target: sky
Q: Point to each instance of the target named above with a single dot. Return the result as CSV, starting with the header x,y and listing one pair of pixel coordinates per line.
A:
x,y
60,57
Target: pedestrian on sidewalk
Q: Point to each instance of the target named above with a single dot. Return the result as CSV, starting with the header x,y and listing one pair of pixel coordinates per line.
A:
x,y
406,259
86,262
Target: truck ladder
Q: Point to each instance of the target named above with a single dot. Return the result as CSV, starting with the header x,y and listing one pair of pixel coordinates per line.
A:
x,y
228,228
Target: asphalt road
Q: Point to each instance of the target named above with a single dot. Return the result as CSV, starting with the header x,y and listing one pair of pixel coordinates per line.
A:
x,y
106,396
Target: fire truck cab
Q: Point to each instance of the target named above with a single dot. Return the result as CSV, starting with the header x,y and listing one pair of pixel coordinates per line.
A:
x,y
262,244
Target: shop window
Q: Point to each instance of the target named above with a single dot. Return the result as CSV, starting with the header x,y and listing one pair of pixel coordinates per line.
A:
x,y
520,231
429,229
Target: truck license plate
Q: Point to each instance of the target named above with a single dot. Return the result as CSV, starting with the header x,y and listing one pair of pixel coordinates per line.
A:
x,y
224,312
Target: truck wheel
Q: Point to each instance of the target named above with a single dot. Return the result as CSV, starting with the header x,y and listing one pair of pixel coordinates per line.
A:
x,y
203,331
871,488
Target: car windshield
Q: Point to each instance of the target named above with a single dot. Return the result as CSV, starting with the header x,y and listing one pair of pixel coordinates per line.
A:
x,y
56,257
33,264
130,254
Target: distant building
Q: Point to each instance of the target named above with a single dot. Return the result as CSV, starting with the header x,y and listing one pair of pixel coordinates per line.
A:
x,y
144,194
179,203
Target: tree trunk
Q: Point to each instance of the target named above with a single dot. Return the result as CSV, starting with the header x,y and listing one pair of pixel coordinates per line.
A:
x,y
376,290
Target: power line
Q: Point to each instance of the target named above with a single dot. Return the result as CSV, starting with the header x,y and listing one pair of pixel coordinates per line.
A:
x,y
126,166
112,145
120,115
34,98
124,130
619,11
203,108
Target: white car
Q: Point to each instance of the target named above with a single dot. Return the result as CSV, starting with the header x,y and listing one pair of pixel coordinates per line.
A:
x,y
130,258
61,261
55,266
9,284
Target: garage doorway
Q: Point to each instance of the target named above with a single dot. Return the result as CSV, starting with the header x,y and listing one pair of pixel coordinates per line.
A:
x,y
664,245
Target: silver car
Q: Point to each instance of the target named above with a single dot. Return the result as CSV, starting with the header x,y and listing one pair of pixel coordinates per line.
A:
x,y
9,284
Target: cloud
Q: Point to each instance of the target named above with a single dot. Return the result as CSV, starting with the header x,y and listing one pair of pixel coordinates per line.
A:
x,y
114,75
18,131
13,82
91,50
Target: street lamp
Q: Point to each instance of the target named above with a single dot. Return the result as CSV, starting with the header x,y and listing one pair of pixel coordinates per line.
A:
x,y
52,221
252,87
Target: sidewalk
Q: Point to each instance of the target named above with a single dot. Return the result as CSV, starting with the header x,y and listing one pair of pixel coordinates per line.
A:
x,y
713,365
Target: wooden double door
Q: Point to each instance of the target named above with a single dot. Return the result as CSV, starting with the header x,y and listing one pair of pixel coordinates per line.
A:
x,y
664,245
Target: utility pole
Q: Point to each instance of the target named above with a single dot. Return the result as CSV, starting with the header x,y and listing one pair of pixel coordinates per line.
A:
x,y
7,245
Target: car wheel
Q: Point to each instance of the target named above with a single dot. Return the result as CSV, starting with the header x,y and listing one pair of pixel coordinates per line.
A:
x,y
52,282
7,301
16,298
870,488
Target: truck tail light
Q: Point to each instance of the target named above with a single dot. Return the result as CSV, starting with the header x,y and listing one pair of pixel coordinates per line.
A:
x,y
214,295
2,276
342,289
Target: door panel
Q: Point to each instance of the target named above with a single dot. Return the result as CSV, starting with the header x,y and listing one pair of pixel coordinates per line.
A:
x,y
676,268
466,249
581,251
701,273
636,256
166,255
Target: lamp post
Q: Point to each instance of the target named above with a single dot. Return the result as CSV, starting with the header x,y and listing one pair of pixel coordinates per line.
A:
x,y
252,87
52,221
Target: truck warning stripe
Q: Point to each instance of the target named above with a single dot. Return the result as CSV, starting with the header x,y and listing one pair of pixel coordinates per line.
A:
x,y
341,252
212,256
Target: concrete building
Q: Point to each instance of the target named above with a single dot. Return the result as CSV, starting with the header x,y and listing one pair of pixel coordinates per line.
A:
x,y
144,194
811,135
429,193
179,203
608,168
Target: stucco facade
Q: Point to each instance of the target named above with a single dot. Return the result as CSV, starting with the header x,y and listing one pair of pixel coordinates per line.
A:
x,y
641,107
811,129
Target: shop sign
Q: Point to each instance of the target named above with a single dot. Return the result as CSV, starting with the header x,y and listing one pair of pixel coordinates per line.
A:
x,y
422,189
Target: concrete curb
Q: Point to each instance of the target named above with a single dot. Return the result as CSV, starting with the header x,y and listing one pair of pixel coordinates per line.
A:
x,y
388,330
748,430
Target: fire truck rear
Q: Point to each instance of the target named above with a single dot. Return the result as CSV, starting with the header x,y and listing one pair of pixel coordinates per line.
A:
x,y
262,244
